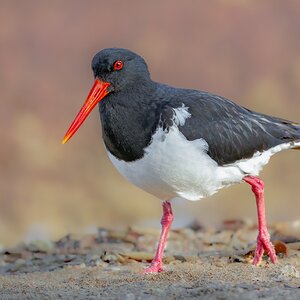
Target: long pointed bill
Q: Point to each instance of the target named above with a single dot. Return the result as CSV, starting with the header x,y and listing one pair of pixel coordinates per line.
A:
x,y
97,93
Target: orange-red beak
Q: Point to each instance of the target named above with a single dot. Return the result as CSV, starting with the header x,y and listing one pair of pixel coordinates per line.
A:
x,y
97,93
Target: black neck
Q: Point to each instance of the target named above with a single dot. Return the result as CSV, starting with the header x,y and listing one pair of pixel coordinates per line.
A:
x,y
129,118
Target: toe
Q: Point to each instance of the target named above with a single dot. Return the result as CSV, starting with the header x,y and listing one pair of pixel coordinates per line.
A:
x,y
153,270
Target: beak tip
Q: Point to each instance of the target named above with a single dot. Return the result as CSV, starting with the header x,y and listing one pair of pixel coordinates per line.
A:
x,y
64,140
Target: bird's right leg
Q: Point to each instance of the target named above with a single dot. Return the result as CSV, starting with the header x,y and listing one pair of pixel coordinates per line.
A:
x,y
166,221
263,238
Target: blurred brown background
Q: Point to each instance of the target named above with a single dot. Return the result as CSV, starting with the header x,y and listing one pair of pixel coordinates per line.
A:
x,y
248,51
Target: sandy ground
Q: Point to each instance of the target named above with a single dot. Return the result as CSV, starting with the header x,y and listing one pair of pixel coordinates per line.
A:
x,y
199,264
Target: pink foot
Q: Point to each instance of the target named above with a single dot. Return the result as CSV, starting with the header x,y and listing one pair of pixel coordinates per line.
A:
x,y
156,267
264,244
263,239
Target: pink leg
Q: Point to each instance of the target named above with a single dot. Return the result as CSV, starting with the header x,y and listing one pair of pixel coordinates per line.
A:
x,y
166,221
263,238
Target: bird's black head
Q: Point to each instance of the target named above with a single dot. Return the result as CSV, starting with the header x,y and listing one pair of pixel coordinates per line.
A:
x,y
120,68
115,70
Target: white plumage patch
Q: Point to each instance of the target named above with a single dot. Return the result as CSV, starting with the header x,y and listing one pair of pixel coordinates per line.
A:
x,y
180,115
175,167
252,166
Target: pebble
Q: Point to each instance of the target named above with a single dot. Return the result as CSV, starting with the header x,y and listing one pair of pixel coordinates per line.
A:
x,y
41,246
109,258
19,263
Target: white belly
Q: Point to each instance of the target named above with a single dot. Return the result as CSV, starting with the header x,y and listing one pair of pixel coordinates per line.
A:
x,y
173,166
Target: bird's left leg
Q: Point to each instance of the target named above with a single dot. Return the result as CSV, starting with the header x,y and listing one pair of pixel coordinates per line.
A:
x,y
263,238
166,221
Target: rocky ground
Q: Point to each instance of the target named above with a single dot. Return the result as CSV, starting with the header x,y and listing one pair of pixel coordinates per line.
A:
x,y
199,263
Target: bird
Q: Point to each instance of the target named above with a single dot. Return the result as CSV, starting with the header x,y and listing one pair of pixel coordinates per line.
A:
x,y
175,142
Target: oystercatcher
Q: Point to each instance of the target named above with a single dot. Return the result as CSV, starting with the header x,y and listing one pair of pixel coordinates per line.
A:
x,y
174,142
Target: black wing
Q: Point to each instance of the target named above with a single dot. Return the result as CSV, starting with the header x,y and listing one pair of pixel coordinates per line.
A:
x,y
231,131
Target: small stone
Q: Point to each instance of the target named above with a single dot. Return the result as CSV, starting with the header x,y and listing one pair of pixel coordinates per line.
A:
x,y
280,248
187,232
41,246
100,263
138,256
18,265
109,258
79,266
82,265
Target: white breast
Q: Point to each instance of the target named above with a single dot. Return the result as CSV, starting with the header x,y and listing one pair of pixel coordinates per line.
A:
x,y
172,166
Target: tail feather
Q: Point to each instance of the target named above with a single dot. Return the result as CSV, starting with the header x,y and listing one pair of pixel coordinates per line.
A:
x,y
298,142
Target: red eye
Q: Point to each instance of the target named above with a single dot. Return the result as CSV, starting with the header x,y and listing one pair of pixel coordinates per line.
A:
x,y
118,65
